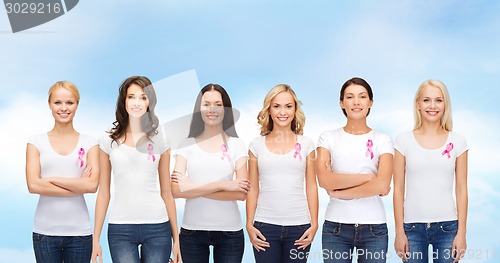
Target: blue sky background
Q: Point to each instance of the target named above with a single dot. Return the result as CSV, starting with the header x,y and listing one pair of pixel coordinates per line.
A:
x,y
248,47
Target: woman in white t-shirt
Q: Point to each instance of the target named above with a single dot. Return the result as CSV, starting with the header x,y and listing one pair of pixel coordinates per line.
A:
x,y
427,162
355,167
143,220
282,208
205,167
61,166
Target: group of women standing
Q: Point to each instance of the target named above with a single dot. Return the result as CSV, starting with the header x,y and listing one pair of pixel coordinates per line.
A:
x,y
277,175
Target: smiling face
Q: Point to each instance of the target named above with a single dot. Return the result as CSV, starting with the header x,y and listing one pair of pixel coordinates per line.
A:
x,y
136,101
282,109
63,105
356,101
431,104
212,108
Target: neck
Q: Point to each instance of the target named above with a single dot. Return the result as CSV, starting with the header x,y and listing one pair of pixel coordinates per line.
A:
x,y
134,126
211,131
356,126
63,128
431,128
285,132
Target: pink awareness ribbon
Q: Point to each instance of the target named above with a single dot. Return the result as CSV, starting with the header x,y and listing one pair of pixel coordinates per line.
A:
x,y
449,147
297,151
150,152
223,148
369,145
81,153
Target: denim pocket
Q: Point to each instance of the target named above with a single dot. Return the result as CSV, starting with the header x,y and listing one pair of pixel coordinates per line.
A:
x,y
379,230
305,227
409,227
330,228
187,232
449,226
85,238
238,233
38,237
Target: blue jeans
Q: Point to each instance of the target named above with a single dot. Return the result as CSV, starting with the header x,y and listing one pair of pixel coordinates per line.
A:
x,y
57,249
195,246
281,243
343,242
155,242
440,235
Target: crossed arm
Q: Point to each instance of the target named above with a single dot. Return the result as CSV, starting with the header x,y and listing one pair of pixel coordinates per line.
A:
x,y
353,186
61,186
236,189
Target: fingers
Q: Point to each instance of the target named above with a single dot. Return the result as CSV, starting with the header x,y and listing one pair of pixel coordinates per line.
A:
x,y
305,240
258,240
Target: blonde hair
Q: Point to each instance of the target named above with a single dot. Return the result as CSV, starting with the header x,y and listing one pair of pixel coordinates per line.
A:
x,y
67,86
266,122
446,120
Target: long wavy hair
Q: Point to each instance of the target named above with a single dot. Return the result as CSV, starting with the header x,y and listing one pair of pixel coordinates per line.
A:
x,y
266,122
198,125
149,121
446,120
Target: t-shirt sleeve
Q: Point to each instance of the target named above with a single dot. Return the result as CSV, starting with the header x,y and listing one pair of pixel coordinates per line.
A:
x,y
105,143
35,141
462,145
254,147
182,148
240,150
163,142
309,145
323,140
385,145
399,144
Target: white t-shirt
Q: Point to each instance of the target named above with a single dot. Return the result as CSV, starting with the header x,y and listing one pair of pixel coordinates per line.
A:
x,y
137,198
351,154
282,199
203,167
62,215
429,178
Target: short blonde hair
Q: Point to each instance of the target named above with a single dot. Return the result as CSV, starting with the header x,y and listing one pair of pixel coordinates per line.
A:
x,y
69,86
266,122
446,120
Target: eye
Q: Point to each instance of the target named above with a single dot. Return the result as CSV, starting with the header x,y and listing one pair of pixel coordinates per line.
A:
x,y
57,103
70,103
219,105
276,106
439,100
130,97
426,100
289,106
363,97
144,98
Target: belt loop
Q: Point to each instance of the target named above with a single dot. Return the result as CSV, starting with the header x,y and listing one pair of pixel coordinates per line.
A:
x,y
356,225
428,225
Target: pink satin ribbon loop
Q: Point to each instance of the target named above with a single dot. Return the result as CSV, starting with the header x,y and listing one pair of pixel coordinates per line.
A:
x,y
297,147
223,148
449,147
151,156
369,151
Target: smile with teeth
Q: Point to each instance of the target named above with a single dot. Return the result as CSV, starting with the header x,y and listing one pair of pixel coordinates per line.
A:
x,y
432,113
357,109
282,118
212,117
136,109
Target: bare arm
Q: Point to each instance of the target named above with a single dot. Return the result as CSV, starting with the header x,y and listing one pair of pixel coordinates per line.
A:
x,y
166,195
459,243
334,181
86,183
399,170
102,203
256,238
242,175
312,201
36,185
185,189
381,185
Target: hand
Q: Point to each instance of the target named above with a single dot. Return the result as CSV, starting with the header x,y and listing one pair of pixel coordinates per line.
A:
x,y
257,239
96,252
87,171
178,177
307,238
176,250
386,193
459,246
240,185
401,246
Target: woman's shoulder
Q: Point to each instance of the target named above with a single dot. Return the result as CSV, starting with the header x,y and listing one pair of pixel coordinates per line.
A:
x,y
304,139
